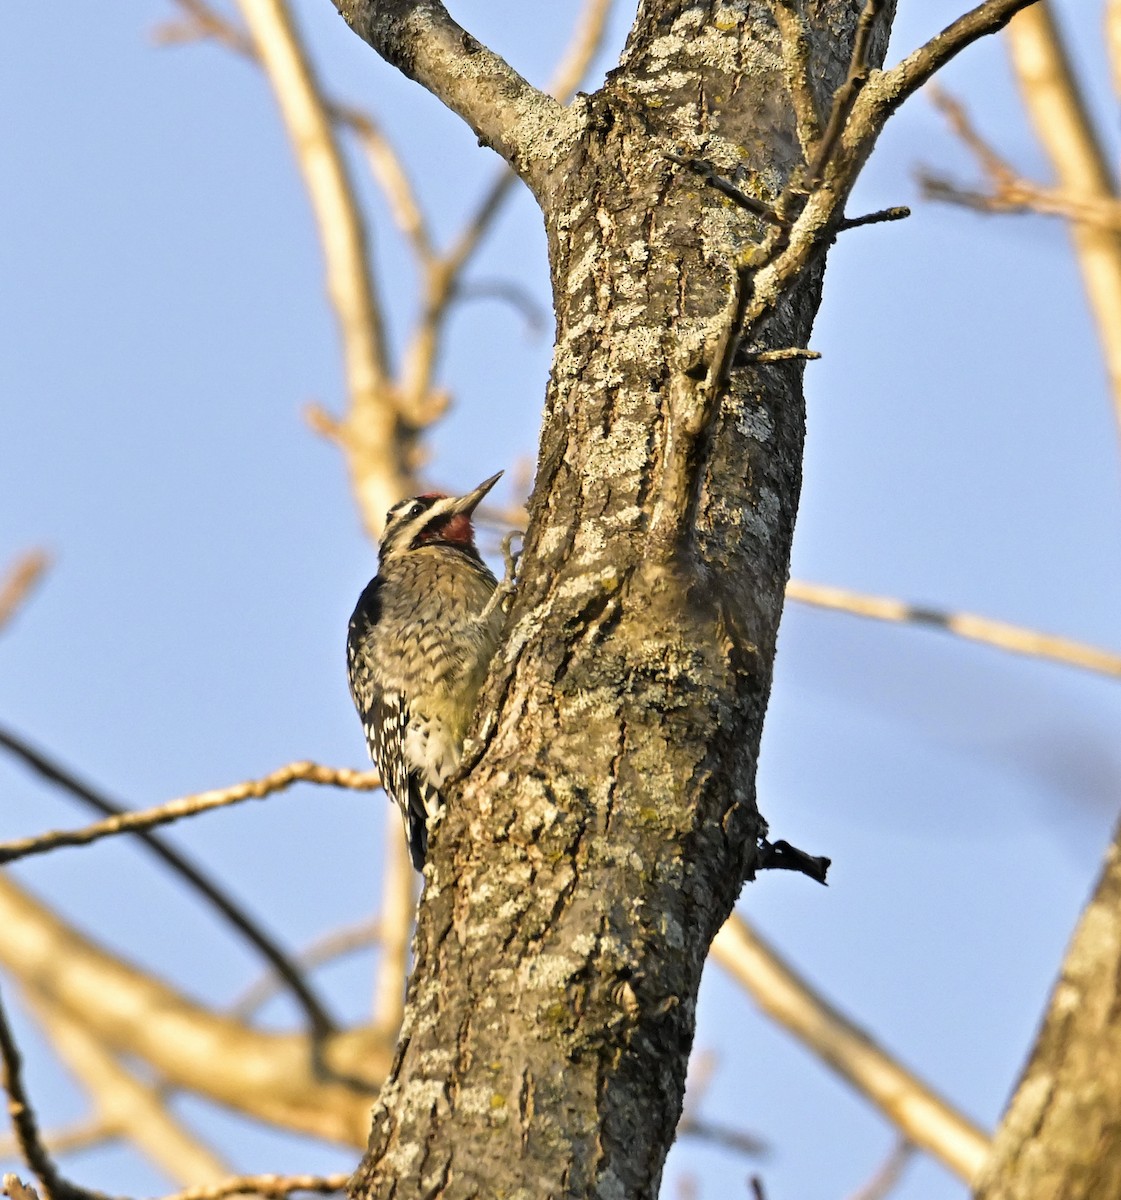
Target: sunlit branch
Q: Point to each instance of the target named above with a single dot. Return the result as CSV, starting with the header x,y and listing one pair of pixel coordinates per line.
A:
x,y
1059,113
427,45
264,1185
68,1139
920,1115
998,634
189,806
318,1019
126,1106
375,439
395,919
272,1076
19,581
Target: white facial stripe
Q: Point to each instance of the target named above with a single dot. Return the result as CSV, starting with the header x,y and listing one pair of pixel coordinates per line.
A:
x,y
412,528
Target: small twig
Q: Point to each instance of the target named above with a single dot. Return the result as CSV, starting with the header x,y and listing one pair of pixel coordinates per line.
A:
x,y
782,856
756,1184
899,213
516,296
318,1019
888,1174
1013,638
782,354
189,806
725,186
332,946
845,96
724,1136
19,581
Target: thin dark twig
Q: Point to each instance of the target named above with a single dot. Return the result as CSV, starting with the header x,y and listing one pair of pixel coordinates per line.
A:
x,y
727,188
722,1135
899,212
845,96
318,1018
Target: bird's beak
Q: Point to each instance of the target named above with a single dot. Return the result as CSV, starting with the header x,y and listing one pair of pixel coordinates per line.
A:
x,y
467,504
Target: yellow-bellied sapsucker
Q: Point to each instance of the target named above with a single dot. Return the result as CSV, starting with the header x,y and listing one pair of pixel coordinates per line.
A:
x,y
420,641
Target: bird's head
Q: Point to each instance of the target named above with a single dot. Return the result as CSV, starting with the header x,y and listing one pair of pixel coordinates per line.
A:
x,y
433,517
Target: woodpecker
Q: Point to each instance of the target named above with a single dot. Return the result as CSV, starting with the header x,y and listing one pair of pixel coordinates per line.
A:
x,y
420,640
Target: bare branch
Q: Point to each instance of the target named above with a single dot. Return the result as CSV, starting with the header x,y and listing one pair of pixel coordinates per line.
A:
x,y
1113,41
126,1106
398,909
19,582
1062,122
272,1076
420,39
922,1116
821,212
189,806
202,21
1056,1137
376,441
724,1136
263,1185
847,93
1008,191
1012,638
318,1019
388,169
903,80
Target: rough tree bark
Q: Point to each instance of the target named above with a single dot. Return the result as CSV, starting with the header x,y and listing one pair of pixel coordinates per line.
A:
x,y
1061,1133
607,818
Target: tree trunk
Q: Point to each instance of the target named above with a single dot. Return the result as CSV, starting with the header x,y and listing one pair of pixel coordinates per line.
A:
x,y
609,818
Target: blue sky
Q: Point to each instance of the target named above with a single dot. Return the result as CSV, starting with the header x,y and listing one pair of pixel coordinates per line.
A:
x,y
162,326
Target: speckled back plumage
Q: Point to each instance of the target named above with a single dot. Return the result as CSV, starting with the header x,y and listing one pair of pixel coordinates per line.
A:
x,y
418,649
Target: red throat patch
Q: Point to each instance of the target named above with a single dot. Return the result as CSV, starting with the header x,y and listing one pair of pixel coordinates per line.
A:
x,y
456,528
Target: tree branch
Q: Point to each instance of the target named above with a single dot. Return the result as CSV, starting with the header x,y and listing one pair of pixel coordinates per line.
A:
x,y
373,434
1063,124
126,1106
272,1076
894,86
419,38
922,1116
